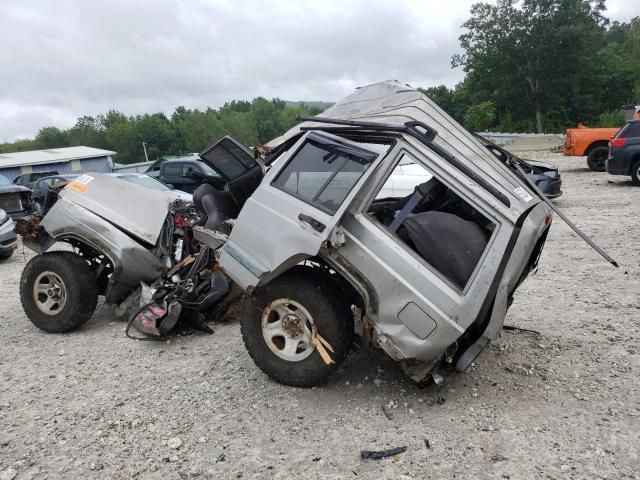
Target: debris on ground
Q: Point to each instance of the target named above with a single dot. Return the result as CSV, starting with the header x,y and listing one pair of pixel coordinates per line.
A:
x,y
378,455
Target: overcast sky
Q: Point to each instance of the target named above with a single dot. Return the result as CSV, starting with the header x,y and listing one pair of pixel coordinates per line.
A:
x,y
60,59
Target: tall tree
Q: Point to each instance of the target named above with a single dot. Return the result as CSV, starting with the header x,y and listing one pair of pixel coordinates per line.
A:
x,y
527,53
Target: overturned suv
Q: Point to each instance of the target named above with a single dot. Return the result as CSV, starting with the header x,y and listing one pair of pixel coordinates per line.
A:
x,y
382,217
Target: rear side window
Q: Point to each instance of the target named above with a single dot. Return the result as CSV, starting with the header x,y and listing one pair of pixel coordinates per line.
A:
x,y
630,130
323,172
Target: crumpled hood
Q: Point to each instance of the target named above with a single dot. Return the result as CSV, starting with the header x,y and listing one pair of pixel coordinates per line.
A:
x,y
138,210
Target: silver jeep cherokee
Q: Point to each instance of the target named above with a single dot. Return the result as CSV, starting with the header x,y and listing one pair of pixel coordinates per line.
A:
x,y
428,277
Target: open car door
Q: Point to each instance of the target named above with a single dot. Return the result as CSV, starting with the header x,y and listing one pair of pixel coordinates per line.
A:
x,y
297,206
236,165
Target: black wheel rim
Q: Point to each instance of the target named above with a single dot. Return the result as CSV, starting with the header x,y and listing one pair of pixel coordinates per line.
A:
x,y
600,159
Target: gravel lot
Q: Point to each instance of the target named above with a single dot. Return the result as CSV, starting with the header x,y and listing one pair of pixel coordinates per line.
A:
x,y
561,404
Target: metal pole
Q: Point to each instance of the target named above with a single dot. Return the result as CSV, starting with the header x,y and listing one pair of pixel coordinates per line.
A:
x,y
144,145
580,233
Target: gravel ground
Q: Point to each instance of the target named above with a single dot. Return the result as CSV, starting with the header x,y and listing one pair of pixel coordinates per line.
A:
x,y
559,404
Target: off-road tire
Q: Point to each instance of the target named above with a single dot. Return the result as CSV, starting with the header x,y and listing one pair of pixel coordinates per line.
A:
x,y
597,158
635,173
330,312
81,291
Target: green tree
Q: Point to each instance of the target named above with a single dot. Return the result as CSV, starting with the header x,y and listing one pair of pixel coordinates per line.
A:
x,y
527,55
51,137
480,117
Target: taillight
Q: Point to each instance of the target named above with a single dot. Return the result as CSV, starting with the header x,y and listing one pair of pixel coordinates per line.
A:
x,y
617,142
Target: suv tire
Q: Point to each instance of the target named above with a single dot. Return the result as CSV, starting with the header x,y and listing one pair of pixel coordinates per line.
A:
x,y
274,318
635,173
58,291
597,158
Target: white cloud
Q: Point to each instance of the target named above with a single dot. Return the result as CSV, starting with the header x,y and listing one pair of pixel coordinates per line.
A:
x,y
62,59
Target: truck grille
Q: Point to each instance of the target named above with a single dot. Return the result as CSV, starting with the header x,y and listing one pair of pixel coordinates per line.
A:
x,y
10,203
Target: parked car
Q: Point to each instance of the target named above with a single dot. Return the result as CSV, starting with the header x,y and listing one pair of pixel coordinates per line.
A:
x,y
178,173
15,199
8,237
624,152
545,175
152,183
590,142
29,179
41,186
319,256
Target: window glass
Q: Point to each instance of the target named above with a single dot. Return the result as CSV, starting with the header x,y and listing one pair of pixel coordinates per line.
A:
x,y
185,167
145,181
432,221
227,157
172,170
207,170
631,130
323,175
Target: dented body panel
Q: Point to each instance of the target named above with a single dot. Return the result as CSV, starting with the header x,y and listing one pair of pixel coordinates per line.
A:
x,y
413,311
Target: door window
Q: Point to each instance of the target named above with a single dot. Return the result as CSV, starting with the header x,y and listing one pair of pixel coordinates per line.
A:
x,y
323,172
432,221
185,167
172,170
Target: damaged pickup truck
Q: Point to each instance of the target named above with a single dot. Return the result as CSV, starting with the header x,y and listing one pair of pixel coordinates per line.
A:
x,y
309,238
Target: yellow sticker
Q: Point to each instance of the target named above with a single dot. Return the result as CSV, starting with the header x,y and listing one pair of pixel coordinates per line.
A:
x,y
78,187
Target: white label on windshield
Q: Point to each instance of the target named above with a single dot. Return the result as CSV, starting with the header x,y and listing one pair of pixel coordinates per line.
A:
x,y
523,194
83,179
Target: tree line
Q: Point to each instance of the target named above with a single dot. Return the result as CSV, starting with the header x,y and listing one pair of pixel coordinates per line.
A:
x,y
184,131
530,66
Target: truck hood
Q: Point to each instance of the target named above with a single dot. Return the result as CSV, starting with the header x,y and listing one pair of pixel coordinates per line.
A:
x,y
137,210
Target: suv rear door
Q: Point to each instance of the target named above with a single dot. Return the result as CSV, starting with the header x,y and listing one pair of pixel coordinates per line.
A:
x,y
296,207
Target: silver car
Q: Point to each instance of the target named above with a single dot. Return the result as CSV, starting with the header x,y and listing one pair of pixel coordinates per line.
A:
x,y
8,238
320,241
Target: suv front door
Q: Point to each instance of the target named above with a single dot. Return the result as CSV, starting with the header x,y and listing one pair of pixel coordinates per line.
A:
x,y
296,206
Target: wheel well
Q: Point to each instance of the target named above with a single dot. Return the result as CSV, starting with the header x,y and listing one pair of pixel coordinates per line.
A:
x,y
594,145
334,280
635,159
100,263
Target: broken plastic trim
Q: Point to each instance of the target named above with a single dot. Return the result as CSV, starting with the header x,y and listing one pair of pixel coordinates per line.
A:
x,y
418,130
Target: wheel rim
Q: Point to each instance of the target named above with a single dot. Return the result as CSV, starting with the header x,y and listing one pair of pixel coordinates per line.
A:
x,y
287,328
49,293
601,158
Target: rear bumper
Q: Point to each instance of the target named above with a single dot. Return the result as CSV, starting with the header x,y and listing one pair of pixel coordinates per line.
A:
x,y
568,150
617,166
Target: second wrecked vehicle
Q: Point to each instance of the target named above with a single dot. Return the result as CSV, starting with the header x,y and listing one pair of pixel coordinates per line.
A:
x,y
316,245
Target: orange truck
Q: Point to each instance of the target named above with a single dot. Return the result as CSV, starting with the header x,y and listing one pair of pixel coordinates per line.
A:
x,y
590,142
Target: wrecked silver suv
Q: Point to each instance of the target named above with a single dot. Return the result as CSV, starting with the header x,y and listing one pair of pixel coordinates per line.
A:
x,y
382,217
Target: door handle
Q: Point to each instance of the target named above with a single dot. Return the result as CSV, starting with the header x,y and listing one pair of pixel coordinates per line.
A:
x,y
312,222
